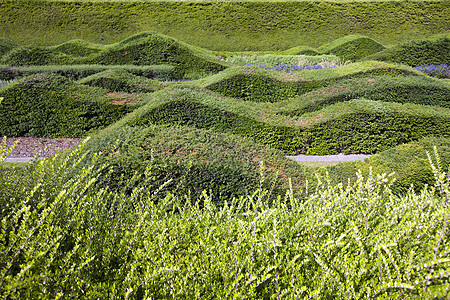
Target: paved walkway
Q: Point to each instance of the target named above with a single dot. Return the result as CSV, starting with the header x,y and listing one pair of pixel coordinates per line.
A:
x,y
339,157
18,159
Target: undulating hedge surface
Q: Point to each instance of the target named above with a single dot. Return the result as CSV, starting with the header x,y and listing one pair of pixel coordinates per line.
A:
x,y
147,48
194,160
357,126
418,52
408,162
223,25
53,106
352,47
121,81
256,85
77,72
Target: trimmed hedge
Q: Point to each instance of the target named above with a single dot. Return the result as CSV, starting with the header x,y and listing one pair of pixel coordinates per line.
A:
x,y
77,72
414,53
257,85
53,106
78,47
121,81
152,48
352,47
194,160
6,45
357,126
402,89
223,25
408,161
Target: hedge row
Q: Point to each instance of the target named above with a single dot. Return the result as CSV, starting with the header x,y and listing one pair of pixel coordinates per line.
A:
x,y
352,47
146,48
401,89
251,84
77,72
223,25
359,126
53,106
414,53
121,81
409,162
194,160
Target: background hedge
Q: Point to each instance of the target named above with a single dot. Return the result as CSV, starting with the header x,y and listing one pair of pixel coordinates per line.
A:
x,y
223,25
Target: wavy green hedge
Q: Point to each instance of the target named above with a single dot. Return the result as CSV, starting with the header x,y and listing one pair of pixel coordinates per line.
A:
x,y
352,47
77,72
121,81
427,51
194,160
53,106
223,25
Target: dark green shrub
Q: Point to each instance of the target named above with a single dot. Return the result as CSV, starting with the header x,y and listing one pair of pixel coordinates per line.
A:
x,y
34,55
121,81
152,48
194,160
77,72
417,52
77,48
6,45
53,106
352,47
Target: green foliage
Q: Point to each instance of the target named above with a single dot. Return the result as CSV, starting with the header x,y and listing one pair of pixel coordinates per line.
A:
x,y
77,48
257,85
194,160
223,25
77,72
121,81
365,126
53,106
414,53
408,162
6,45
401,89
65,234
271,60
35,55
151,48
352,47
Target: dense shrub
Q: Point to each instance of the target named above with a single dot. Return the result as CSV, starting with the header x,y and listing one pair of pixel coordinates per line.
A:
x,y
77,48
401,89
223,25
34,55
352,47
121,81
408,162
65,234
253,84
77,72
152,48
194,160
6,45
53,106
418,52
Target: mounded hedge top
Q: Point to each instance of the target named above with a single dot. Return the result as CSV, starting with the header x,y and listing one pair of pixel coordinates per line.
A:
x,y
352,47
435,50
53,106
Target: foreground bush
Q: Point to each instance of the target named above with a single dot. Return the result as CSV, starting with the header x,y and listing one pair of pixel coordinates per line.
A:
x,y
65,236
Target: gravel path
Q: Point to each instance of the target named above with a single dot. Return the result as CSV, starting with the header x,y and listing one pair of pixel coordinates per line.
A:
x,y
339,157
27,147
